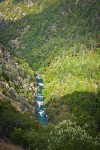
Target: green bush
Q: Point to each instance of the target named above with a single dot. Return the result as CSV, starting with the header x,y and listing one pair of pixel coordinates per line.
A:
x,y
17,136
20,128
11,118
67,135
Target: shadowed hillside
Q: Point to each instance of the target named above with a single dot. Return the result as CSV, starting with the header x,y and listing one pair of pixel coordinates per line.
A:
x,y
59,40
82,107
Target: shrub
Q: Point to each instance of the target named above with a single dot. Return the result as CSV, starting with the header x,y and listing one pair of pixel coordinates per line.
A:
x,y
67,135
17,136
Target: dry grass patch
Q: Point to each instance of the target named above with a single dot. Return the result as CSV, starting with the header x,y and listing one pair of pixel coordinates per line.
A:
x,y
8,146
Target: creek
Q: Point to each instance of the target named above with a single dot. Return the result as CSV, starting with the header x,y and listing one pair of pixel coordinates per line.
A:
x,y
39,101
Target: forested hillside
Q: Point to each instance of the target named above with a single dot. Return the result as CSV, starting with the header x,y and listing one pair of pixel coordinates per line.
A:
x,y
59,40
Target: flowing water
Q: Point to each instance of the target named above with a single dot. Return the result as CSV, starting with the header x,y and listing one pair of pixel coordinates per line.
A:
x,y
39,99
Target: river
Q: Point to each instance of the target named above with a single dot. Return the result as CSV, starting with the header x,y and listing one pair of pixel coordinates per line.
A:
x,y
39,101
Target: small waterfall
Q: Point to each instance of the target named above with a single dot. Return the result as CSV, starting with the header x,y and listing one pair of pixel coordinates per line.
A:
x,y
39,100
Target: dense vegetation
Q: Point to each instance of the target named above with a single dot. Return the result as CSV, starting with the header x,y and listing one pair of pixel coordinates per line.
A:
x,y
20,128
31,135
60,40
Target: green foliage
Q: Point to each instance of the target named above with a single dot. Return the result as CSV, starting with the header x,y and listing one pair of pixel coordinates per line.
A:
x,y
11,118
59,39
67,135
31,135
17,135
81,107
36,140
71,73
20,128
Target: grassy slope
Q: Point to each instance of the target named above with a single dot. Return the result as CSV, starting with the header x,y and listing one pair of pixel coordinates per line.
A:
x,y
61,44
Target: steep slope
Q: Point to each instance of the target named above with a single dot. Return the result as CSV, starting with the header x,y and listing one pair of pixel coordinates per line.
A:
x,y
49,28
59,39
16,82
